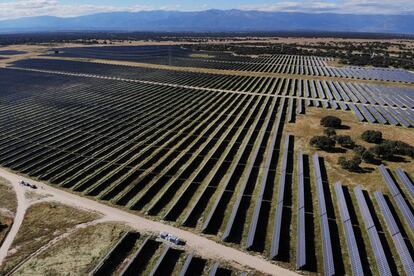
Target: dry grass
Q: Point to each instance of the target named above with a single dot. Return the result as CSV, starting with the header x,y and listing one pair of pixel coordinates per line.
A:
x,y
308,125
42,223
5,224
202,56
77,254
8,197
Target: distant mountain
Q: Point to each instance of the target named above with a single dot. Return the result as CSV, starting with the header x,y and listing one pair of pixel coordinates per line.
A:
x,y
216,21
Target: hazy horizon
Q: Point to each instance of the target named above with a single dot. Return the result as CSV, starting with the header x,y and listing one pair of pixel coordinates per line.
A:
x,y
63,8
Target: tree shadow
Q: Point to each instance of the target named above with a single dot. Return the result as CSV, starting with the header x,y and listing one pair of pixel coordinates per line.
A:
x,y
2,227
344,127
336,150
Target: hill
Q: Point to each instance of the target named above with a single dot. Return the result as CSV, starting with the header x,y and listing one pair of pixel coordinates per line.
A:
x,y
216,21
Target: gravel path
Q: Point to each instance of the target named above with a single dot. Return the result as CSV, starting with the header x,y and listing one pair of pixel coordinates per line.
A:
x,y
22,205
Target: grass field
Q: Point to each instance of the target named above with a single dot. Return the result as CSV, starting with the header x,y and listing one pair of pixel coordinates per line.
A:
x,y
43,222
77,254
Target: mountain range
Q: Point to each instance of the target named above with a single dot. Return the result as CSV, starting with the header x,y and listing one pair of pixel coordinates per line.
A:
x,y
215,21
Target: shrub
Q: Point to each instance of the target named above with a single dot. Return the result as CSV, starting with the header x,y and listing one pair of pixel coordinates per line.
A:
x,y
372,136
329,131
387,149
359,150
368,156
345,141
331,121
350,164
322,142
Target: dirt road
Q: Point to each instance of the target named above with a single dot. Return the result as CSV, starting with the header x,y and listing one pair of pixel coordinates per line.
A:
x,y
17,221
199,244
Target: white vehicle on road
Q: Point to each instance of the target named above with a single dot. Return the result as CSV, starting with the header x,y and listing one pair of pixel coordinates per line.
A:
x,y
171,238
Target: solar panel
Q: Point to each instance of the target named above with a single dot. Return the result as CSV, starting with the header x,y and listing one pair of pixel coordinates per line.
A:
x,y
386,114
389,181
361,118
405,210
328,262
377,115
400,119
301,236
300,108
344,106
365,111
343,208
378,250
395,192
255,218
349,232
386,212
397,237
279,208
406,181
329,267
214,269
334,104
301,240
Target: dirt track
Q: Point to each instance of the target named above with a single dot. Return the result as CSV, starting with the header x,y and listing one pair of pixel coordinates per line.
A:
x,y
199,244
17,221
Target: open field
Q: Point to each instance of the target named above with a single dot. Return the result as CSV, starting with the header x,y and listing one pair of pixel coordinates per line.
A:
x,y
8,206
37,231
221,155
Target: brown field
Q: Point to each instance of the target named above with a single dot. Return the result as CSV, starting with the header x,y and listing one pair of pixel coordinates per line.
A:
x,y
43,222
308,125
77,254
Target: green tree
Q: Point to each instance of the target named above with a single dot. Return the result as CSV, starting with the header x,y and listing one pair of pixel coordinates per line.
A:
x,y
329,131
372,136
331,121
350,164
345,141
322,142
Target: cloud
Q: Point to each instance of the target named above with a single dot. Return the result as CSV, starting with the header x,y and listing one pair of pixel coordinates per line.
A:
x,y
346,6
24,8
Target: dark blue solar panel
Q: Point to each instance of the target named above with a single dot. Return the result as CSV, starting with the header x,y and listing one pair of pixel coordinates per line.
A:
x,y
406,181
399,242
378,250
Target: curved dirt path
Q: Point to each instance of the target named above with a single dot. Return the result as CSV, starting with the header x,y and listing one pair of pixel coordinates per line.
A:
x,y
22,205
203,246
64,235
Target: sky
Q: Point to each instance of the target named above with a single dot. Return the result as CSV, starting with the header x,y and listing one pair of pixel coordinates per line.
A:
x,y
66,8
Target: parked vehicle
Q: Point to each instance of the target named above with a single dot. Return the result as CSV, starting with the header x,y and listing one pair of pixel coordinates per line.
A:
x,y
171,238
27,184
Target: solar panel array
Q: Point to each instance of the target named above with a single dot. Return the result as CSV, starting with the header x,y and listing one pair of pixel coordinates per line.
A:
x,y
396,235
406,181
274,251
376,245
370,103
328,260
398,197
264,183
353,251
281,64
301,223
